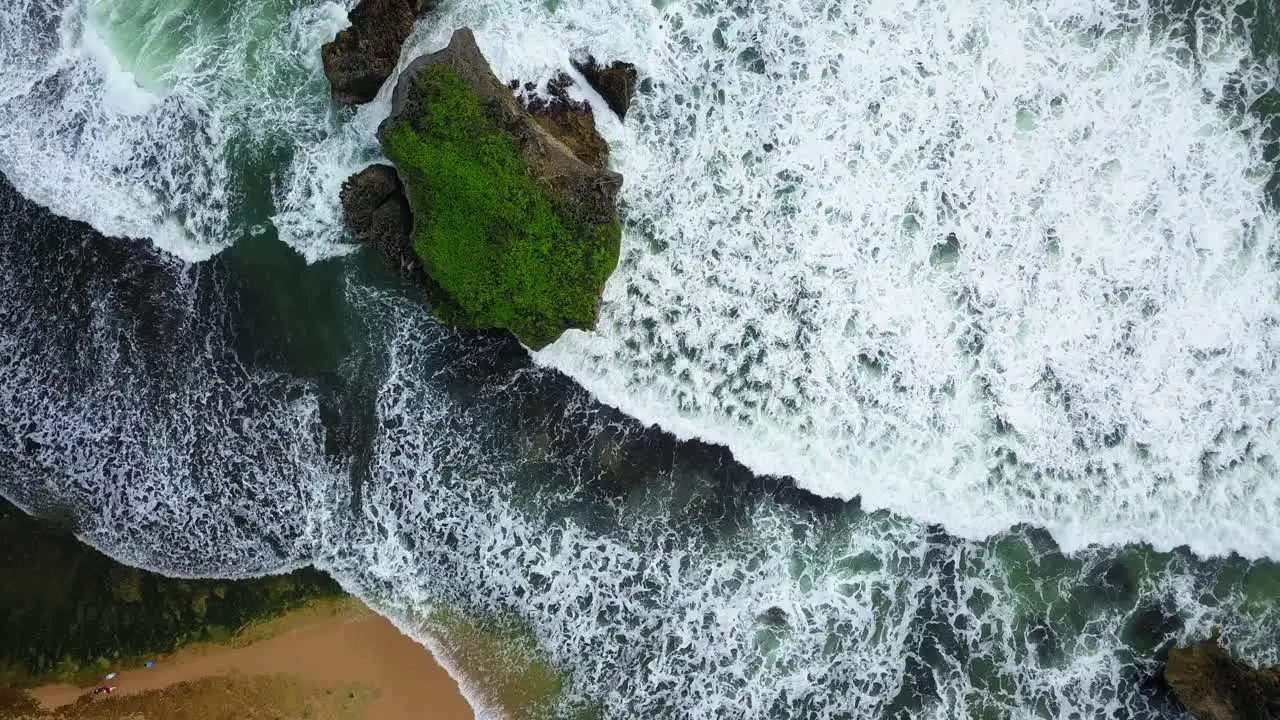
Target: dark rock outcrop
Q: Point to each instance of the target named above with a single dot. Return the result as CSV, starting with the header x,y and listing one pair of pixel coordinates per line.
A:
x,y
1212,685
67,606
377,213
361,58
775,616
569,121
616,82
518,230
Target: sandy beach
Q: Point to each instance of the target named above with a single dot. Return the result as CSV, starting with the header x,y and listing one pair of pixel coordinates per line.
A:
x,y
347,661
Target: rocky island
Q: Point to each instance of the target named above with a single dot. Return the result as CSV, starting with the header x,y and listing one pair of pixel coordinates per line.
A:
x,y
500,205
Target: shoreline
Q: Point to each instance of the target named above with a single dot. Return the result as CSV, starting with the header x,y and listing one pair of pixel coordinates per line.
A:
x,y
341,658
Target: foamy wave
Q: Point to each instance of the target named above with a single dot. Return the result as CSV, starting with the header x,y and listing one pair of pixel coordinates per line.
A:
x,y
680,600
155,119
122,403
978,265
788,287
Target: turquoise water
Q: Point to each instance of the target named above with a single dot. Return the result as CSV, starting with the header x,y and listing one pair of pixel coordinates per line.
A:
x,y
284,402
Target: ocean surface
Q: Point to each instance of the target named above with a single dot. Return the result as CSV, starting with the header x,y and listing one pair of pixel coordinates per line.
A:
x,y
938,378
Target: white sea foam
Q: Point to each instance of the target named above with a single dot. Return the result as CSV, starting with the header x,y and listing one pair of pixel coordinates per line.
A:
x,y
804,165
1092,352
649,620
146,118
122,401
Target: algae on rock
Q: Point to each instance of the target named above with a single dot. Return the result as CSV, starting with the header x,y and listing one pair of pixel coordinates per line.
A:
x,y
518,231
1212,685
70,613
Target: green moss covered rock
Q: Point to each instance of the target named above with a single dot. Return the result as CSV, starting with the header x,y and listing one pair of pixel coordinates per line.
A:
x,y
516,230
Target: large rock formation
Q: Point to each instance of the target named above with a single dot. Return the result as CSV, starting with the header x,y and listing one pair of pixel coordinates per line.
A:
x,y
616,82
509,222
1214,686
364,55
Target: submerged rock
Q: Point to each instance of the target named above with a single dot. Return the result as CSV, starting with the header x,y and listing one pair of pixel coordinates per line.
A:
x,y
616,82
518,230
1215,686
364,55
1151,628
775,617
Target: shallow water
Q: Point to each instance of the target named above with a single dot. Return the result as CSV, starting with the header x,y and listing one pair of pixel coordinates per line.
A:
x,y
1004,273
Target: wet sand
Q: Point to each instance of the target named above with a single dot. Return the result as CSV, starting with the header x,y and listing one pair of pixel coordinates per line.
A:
x,y
332,646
